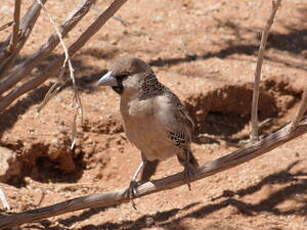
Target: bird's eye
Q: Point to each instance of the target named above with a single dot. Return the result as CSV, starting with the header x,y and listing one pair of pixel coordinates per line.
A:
x,y
122,76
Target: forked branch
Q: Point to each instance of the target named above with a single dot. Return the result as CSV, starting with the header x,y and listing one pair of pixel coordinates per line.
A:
x,y
254,114
56,64
26,25
240,156
24,68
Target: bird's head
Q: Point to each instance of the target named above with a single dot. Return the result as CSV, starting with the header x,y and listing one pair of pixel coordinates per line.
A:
x,y
126,75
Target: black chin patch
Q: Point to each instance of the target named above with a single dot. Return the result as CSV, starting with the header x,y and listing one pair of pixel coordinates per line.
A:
x,y
118,89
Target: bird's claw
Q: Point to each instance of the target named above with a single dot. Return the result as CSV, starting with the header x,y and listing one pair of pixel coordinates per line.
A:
x,y
130,192
188,173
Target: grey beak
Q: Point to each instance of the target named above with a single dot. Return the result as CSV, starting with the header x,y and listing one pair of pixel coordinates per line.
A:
x,y
107,80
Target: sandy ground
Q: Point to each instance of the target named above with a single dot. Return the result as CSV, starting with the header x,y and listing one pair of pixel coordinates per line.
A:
x,y
206,52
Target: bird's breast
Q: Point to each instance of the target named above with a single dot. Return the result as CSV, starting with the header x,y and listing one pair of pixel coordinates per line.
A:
x,y
145,129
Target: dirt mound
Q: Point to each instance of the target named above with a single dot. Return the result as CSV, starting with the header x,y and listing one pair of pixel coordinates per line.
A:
x,y
227,110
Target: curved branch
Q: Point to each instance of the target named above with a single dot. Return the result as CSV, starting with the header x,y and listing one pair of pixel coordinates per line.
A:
x,y
240,156
254,113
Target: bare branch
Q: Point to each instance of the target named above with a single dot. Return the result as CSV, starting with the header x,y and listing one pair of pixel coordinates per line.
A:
x,y
6,25
15,33
96,25
240,156
56,64
23,69
26,26
254,113
302,109
76,98
4,201
118,18
31,84
53,90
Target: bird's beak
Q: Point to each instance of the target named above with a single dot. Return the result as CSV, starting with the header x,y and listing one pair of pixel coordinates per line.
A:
x,y
107,80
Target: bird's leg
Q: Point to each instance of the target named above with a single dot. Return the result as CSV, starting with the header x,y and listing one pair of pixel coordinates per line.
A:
x,y
188,167
130,192
149,169
188,172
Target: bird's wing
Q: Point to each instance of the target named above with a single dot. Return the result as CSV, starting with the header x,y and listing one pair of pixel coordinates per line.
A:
x,y
181,126
179,132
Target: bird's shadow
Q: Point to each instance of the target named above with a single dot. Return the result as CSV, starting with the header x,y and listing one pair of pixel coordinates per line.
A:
x,y
293,185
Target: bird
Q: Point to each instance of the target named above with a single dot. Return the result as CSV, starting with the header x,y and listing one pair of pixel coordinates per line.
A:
x,y
154,118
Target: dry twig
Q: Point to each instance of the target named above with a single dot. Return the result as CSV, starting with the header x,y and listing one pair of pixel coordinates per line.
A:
x,y
254,113
15,33
76,99
23,69
56,64
6,25
118,18
240,156
27,23
11,48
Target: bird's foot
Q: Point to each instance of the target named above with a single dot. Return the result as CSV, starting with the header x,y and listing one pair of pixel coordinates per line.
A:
x,y
188,173
130,192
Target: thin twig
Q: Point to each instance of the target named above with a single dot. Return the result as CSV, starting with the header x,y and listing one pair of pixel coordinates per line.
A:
x,y
59,34
76,100
302,109
15,33
53,90
254,113
26,25
24,68
238,157
56,64
6,25
118,18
